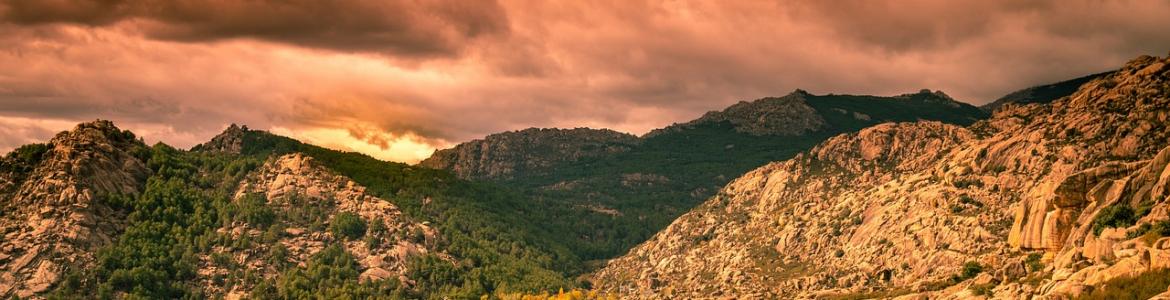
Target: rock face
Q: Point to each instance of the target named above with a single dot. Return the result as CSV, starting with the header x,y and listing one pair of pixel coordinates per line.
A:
x,y
294,182
505,155
900,208
54,218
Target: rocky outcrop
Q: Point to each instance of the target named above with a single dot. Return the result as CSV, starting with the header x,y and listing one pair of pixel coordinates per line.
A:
x,y
900,208
294,184
55,219
786,116
506,155
231,140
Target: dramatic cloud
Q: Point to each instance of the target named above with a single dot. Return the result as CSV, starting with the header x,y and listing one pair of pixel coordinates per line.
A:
x,y
403,28
397,79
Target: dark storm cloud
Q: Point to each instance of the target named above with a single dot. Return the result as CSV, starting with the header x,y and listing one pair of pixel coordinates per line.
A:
x,y
399,28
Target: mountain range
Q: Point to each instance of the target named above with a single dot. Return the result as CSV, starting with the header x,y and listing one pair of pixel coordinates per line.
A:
x,y
1054,191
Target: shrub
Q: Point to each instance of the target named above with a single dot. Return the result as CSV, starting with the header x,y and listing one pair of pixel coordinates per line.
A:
x,y
1150,232
348,225
982,289
375,234
965,183
1117,215
30,154
970,270
1033,262
254,210
965,199
277,256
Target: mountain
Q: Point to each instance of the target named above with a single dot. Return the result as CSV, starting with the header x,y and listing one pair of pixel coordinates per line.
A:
x,y
1057,199
916,195
52,216
250,214
1043,93
611,191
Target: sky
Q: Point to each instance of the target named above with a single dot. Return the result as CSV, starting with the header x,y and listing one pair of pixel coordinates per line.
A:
x,y
399,79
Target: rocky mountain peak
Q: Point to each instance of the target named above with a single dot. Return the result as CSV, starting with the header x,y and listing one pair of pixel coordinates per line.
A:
x,y
503,155
53,220
96,154
231,140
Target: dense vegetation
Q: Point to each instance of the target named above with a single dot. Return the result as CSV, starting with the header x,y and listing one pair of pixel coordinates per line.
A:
x,y
169,224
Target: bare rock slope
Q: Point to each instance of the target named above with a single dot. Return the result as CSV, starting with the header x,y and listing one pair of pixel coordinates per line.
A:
x,y
936,211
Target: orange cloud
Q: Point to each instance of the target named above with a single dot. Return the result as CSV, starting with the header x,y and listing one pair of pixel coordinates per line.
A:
x,y
404,77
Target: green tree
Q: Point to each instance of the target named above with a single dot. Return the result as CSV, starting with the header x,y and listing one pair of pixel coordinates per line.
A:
x,y
348,225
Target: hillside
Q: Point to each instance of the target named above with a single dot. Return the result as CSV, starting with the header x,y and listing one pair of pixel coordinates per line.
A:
x,y
628,189
1058,199
251,214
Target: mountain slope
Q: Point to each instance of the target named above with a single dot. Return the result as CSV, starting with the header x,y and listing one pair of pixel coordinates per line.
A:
x,y
606,204
934,209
